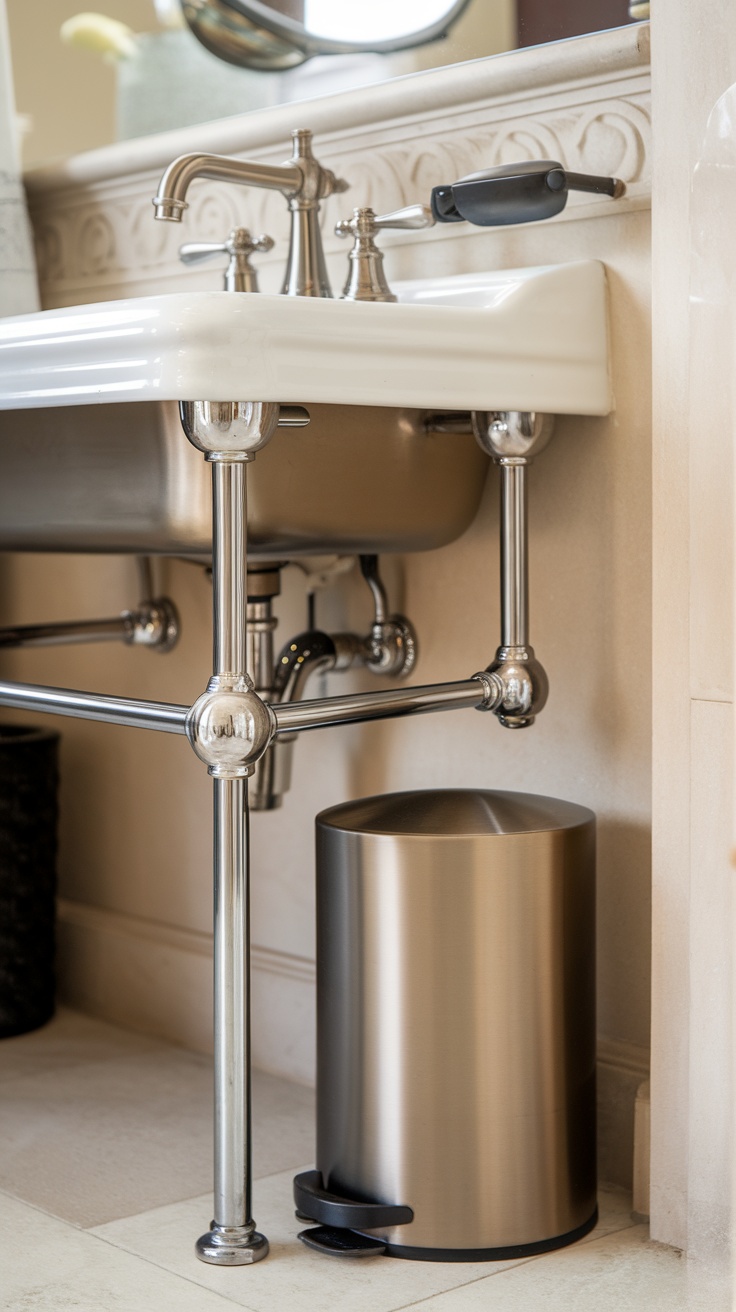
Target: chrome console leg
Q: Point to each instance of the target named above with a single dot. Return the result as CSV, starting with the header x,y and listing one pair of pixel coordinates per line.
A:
x,y
223,726
233,1239
512,438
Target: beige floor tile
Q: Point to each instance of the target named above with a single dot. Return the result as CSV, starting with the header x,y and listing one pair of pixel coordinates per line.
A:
x,y
109,1138
621,1272
68,1039
108,1129
49,1266
293,1278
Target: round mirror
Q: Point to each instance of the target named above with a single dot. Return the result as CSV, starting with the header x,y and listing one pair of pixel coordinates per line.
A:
x,y
279,34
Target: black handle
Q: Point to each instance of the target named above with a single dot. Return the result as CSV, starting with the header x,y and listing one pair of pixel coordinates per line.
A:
x,y
515,193
314,1202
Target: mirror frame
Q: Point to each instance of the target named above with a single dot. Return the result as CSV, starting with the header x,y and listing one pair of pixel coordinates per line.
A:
x,y
251,35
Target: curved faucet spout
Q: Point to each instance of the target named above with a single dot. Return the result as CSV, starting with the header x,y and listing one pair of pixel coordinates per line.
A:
x,y
170,202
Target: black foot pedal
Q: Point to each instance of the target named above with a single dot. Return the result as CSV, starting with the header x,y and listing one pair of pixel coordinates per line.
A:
x,y
341,1243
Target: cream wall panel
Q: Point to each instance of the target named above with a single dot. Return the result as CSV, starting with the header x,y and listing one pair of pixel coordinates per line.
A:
x,y
710,1159
692,584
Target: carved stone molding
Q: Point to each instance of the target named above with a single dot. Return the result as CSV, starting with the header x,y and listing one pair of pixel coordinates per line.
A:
x,y
98,239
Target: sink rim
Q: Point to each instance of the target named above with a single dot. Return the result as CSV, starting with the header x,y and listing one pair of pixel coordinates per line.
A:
x,y
538,340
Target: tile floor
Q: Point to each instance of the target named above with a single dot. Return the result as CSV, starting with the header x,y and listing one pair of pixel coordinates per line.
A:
x,y
105,1162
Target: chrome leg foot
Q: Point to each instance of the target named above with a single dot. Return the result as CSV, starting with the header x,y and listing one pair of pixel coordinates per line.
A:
x,y
232,1245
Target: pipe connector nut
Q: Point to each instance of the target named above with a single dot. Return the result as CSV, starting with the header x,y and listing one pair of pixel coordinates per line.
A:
x,y
230,727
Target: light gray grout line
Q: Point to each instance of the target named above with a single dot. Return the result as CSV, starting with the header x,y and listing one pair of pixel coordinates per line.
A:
x,y
131,1216
95,1225
177,1275
72,1225
522,1261
44,1211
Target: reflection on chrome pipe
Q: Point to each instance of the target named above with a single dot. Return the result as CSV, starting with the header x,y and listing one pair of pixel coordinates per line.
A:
x,y
64,634
95,706
514,566
229,565
481,692
232,1072
153,624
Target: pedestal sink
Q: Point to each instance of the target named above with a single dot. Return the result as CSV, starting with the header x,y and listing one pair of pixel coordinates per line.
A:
x,y
92,457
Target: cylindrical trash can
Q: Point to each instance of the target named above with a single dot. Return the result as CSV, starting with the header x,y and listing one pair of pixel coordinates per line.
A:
x,y
28,812
456,1024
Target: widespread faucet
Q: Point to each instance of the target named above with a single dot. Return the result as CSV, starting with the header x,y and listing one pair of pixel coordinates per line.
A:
x,y
302,180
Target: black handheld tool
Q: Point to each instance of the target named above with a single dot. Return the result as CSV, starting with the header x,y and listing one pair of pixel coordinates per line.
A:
x,y
515,193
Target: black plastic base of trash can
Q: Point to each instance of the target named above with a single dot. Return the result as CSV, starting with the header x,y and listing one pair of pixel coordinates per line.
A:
x,y
28,814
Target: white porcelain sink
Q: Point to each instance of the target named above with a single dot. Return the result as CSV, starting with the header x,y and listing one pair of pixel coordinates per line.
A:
x,y
121,476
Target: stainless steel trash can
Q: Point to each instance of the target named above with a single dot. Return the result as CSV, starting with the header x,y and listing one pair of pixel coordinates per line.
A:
x,y
456,1026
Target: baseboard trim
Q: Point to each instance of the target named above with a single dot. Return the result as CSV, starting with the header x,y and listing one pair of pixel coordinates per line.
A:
x,y
158,978
99,920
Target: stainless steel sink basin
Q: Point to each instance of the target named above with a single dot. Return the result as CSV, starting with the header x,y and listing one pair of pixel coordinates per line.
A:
x,y
92,456
122,477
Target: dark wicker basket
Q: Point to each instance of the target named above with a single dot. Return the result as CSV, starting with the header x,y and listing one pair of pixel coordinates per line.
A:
x,y
28,812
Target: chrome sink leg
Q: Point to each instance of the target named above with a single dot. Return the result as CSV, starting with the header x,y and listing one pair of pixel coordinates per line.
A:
x,y
233,1239
512,438
227,725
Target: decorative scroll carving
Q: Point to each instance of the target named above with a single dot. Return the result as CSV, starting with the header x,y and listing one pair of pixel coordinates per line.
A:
x,y
107,239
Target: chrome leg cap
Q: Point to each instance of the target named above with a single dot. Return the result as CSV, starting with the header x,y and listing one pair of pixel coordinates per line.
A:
x,y
232,1245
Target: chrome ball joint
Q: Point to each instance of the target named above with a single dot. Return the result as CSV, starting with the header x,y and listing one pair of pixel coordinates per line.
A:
x,y
229,430
515,687
523,686
230,727
510,435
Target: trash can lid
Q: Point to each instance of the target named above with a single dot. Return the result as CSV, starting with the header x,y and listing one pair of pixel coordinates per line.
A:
x,y
455,812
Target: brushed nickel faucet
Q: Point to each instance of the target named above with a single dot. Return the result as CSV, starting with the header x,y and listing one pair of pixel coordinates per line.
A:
x,y
302,180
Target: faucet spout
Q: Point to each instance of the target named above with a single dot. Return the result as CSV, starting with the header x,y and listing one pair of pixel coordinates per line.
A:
x,y
170,202
302,180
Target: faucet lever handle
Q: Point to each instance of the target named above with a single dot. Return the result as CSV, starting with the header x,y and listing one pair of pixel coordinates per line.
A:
x,y
412,217
365,223
366,279
239,245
